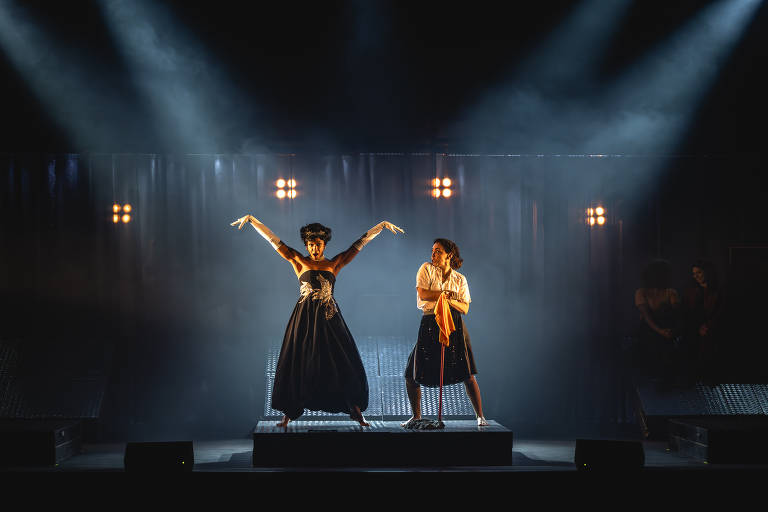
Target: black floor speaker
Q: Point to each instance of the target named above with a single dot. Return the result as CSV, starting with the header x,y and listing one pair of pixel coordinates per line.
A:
x,y
176,456
602,454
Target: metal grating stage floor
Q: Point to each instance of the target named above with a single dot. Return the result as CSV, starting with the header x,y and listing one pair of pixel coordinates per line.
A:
x,y
703,400
384,359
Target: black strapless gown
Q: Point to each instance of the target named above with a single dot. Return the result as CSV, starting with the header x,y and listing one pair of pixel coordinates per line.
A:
x,y
319,368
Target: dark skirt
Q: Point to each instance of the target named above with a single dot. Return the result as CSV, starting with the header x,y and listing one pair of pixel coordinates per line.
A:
x,y
319,367
424,362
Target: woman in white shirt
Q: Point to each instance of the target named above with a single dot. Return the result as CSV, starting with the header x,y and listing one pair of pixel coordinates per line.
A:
x,y
436,277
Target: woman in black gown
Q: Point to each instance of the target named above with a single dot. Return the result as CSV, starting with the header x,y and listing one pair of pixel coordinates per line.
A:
x,y
319,367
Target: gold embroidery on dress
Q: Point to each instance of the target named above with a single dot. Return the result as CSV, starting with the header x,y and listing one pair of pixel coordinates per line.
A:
x,y
324,295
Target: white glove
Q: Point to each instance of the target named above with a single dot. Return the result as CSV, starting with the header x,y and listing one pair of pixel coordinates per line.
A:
x,y
263,230
374,232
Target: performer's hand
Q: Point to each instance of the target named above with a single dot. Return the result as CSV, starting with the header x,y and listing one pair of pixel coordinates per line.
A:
x,y
667,333
242,220
392,227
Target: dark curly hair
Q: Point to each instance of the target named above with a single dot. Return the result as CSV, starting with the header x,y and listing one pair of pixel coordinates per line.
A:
x,y
657,274
451,248
314,231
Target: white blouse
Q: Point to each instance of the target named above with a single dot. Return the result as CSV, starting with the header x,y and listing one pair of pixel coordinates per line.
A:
x,y
430,277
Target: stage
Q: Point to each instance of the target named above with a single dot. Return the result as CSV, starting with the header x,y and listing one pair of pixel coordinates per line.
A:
x,y
528,455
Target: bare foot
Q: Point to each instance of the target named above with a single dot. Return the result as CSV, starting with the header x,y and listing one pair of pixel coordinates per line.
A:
x,y
410,421
284,422
481,422
358,416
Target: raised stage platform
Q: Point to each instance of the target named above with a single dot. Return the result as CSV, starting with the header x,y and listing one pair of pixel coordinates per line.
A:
x,y
383,444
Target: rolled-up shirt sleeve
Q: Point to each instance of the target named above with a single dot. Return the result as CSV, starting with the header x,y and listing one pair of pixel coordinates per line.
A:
x,y
422,277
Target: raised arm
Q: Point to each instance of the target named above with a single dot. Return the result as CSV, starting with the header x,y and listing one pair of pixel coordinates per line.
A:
x,y
343,258
283,250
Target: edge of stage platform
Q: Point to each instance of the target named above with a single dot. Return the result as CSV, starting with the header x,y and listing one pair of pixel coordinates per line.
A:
x,y
383,444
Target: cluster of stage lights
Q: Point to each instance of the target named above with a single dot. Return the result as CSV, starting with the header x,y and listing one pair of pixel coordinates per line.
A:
x,y
125,217
441,188
596,216
285,188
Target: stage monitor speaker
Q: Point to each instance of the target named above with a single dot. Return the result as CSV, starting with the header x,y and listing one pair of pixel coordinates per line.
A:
x,y
600,454
175,456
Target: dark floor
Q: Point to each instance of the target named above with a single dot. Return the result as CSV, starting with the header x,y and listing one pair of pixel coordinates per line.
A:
x,y
234,455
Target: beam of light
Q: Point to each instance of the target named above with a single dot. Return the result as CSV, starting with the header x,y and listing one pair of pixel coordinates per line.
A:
x,y
540,106
551,106
654,101
64,80
185,89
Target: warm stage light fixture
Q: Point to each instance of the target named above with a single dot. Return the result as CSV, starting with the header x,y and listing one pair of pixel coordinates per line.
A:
x,y
286,188
126,209
445,191
596,215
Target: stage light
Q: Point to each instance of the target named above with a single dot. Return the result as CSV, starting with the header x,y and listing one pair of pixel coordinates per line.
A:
x,y
292,183
292,193
447,182
435,192
281,194
599,210
601,220
280,183
115,218
436,182
126,218
590,211
591,221
116,208
446,192
127,208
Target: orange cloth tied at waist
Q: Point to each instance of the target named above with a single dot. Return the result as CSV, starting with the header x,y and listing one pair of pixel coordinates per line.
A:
x,y
444,319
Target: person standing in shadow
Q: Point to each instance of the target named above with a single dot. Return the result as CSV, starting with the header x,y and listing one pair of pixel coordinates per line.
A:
x,y
655,354
702,304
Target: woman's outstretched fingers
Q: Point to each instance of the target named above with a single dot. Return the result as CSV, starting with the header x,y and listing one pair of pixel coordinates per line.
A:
x,y
393,228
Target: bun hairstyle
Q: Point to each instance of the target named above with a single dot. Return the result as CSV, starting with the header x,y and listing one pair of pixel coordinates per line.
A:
x,y
452,249
314,231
